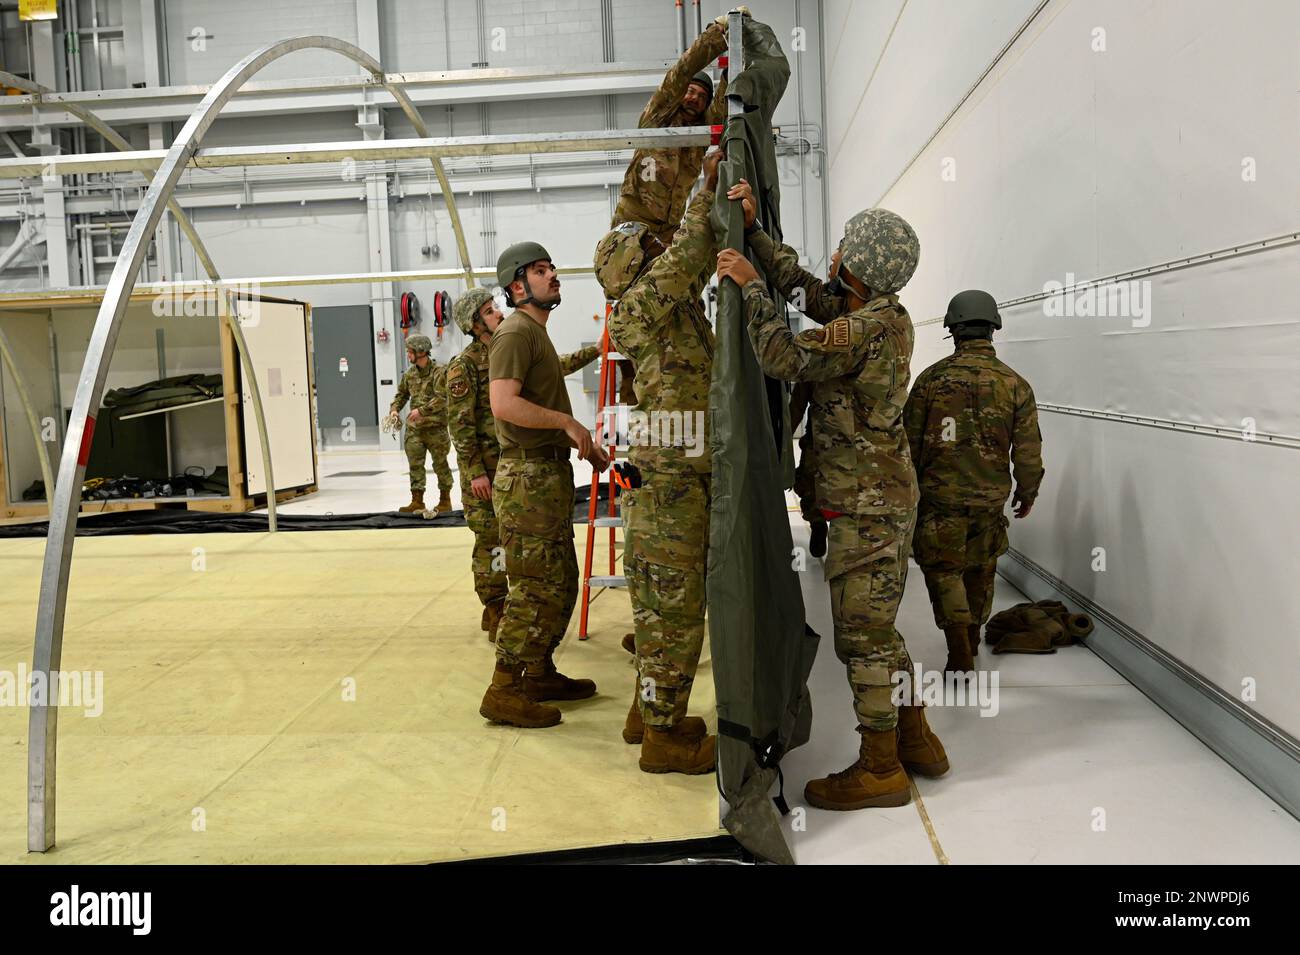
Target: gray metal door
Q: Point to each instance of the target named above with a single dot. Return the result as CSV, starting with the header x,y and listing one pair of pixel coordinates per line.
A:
x,y
344,352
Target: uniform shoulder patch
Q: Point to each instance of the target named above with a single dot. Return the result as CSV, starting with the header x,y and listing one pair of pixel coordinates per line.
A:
x,y
839,333
457,380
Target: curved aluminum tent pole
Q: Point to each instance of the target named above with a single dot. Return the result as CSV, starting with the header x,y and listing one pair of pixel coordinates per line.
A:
x,y
43,718
47,474
200,250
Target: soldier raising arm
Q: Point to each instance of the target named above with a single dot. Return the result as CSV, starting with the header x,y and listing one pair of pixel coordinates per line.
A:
x,y
866,488
658,181
823,302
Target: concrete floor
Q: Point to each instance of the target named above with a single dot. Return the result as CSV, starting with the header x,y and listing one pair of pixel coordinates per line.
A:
x,y
1077,766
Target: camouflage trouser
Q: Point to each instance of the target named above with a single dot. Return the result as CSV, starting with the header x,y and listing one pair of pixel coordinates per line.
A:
x,y
437,442
481,517
957,549
803,480
666,524
534,507
867,568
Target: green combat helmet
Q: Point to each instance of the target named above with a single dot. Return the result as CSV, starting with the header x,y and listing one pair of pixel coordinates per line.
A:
x,y
513,261
419,344
970,307
880,250
466,309
704,79
620,258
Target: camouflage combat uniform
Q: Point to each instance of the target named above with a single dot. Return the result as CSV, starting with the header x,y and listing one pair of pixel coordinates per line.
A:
x,y
660,323
658,182
865,483
426,389
806,292
474,433
967,413
532,496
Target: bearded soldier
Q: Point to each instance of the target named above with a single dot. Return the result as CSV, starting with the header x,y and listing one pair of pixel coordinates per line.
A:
x,y
473,432
658,182
532,495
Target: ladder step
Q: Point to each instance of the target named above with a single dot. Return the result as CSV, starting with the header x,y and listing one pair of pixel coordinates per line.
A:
x,y
617,581
608,522
615,356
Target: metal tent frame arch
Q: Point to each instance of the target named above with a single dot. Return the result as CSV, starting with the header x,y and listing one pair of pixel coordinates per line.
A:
x,y
65,498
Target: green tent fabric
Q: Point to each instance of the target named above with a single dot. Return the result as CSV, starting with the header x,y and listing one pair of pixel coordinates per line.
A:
x,y
173,392
762,649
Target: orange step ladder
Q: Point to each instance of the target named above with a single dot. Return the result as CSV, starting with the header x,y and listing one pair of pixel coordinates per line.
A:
x,y
608,412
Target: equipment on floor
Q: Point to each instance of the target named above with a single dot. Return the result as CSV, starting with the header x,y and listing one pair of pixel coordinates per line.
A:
x,y
1038,627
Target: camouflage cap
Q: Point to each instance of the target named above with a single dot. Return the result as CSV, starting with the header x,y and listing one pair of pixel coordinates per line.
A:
x,y
467,306
880,249
419,344
620,258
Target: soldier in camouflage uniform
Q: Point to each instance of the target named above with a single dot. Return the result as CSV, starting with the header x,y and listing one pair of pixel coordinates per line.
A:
x,y
532,495
823,302
658,182
425,386
866,488
474,433
659,322
967,413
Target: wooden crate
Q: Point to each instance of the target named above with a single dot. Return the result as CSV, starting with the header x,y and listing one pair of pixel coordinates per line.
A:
x,y
238,500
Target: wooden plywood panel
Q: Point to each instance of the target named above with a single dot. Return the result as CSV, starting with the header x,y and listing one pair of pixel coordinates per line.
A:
x,y
276,333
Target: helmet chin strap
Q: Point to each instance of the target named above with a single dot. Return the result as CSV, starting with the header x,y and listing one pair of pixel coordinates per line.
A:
x,y
532,298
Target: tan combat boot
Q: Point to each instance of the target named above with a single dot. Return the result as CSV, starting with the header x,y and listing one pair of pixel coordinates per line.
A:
x,y
876,780
444,502
674,750
973,634
691,727
543,682
417,503
960,659
492,614
505,701
918,748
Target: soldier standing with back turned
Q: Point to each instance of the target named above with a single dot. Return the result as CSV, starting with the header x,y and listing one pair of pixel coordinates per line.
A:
x,y
966,415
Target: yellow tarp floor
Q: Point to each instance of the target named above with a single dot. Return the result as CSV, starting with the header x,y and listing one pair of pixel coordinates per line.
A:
x,y
226,734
